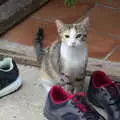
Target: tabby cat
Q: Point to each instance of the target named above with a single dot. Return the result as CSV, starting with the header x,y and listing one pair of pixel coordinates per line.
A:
x,y
66,59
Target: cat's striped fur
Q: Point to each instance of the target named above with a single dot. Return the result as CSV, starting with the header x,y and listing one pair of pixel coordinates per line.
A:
x,y
68,49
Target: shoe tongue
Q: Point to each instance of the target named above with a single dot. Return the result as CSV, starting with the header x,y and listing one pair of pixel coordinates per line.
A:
x,y
85,106
80,101
77,95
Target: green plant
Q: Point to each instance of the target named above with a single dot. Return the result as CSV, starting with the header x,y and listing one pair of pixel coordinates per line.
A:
x,y
70,3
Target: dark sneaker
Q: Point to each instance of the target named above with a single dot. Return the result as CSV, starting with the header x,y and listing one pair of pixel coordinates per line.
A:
x,y
104,93
61,105
9,77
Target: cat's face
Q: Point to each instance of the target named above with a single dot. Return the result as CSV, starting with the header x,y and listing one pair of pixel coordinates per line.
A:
x,y
73,34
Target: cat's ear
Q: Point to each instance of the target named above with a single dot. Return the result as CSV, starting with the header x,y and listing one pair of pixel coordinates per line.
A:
x,y
59,25
86,22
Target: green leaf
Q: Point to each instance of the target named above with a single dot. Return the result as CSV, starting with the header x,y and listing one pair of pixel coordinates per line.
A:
x,y
97,1
70,3
110,1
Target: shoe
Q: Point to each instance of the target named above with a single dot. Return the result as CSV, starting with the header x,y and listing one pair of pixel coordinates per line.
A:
x,y
61,105
104,93
9,77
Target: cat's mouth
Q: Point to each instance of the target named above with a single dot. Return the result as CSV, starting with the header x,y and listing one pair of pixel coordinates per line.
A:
x,y
73,46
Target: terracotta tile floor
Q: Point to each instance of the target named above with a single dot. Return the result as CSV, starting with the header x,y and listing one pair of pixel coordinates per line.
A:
x,y
113,3
25,32
99,45
57,10
116,55
103,36
106,20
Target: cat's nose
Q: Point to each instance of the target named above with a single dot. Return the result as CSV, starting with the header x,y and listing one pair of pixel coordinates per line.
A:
x,y
73,43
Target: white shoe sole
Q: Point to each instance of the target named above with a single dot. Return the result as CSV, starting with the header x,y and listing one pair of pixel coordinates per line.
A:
x,y
12,87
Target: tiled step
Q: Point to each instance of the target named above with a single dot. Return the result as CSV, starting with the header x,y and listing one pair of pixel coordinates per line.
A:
x,y
115,4
100,45
106,20
103,35
25,32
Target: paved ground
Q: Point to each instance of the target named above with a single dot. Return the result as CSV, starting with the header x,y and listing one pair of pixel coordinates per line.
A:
x,y
26,103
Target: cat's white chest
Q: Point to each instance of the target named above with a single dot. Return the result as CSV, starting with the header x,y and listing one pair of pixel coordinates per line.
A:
x,y
74,59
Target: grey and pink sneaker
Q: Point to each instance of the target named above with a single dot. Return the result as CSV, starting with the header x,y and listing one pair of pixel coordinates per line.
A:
x,y
105,93
61,105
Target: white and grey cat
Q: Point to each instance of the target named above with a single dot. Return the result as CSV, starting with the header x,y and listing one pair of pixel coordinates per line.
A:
x,y
65,61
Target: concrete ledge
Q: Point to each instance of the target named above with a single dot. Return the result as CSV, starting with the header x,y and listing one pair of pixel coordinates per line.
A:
x,y
17,48
23,54
110,68
20,53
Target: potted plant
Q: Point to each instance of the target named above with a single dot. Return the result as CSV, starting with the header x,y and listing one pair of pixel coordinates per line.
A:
x,y
70,3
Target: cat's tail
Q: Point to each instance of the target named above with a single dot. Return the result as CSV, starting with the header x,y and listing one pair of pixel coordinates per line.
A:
x,y
38,44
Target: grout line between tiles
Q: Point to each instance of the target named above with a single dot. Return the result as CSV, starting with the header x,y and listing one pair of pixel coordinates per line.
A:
x,y
43,19
106,6
116,37
111,52
52,19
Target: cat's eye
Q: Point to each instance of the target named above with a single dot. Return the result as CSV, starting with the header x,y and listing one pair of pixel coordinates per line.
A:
x,y
67,36
85,35
79,35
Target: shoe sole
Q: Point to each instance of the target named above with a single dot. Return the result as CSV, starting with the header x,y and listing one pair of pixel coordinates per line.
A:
x,y
11,88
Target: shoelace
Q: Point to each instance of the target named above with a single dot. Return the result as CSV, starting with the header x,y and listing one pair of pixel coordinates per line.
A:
x,y
114,98
76,101
112,95
79,102
117,84
113,90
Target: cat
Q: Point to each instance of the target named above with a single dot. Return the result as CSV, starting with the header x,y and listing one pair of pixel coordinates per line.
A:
x,y
65,61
